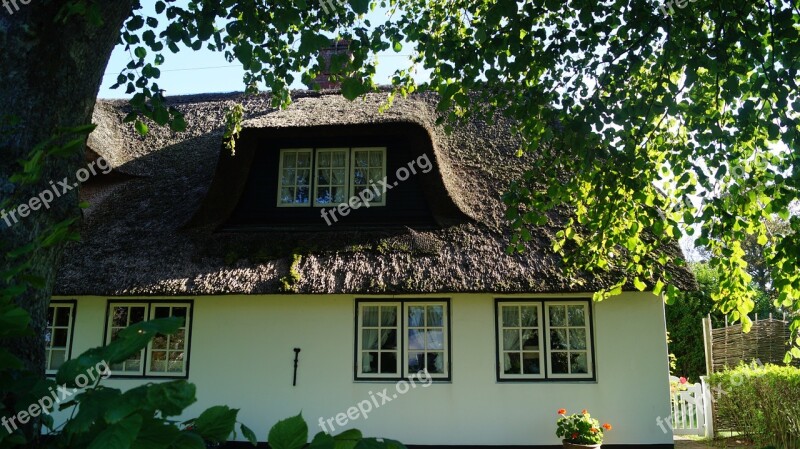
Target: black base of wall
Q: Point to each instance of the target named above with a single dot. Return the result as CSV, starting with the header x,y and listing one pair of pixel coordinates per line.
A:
x,y
241,445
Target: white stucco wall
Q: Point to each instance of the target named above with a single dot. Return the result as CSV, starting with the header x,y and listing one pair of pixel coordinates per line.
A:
x,y
242,353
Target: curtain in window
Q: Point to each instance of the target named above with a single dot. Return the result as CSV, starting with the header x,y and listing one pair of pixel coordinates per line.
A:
x,y
511,339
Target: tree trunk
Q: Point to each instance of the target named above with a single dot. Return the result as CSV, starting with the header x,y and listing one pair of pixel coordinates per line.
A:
x,y
50,74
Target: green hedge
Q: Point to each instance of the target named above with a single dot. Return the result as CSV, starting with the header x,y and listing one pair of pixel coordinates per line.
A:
x,y
761,402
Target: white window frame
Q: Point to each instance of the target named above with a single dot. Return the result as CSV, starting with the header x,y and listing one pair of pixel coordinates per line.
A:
x,y
445,337
589,340
315,176
110,328
311,183
545,353
71,305
186,332
353,169
402,307
359,339
144,355
350,168
500,339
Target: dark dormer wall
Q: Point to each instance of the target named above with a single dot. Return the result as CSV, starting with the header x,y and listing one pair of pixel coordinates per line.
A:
x,y
407,203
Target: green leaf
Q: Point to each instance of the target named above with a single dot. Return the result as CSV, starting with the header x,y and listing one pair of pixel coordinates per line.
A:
x,y
216,424
118,436
249,434
348,439
141,128
360,6
8,360
641,286
322,441
352,88
290,433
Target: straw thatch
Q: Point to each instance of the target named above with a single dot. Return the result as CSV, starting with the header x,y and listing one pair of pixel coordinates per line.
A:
x,y
143,240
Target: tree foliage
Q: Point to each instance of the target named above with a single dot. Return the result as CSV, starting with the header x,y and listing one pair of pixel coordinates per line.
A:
x,y
650,121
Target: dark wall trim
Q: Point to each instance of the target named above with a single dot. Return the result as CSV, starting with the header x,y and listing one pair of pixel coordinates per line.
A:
x,y
188,346
543,339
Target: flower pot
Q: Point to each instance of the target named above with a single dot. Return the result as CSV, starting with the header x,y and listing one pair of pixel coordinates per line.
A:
x,y
568,445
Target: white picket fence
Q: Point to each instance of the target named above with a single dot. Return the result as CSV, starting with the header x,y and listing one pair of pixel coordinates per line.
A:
x,y
691,410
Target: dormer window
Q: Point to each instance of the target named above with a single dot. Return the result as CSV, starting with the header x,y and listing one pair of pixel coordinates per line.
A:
x,y
323,177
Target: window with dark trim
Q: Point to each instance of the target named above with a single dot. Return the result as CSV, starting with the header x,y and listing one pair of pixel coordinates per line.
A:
x,y
165,355
398,339
58,334
323,177
544,340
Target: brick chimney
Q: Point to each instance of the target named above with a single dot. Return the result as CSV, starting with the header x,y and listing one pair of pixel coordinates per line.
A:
x,y
336,47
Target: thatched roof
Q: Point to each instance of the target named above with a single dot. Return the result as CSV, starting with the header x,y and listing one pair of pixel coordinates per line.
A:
x,y
140,237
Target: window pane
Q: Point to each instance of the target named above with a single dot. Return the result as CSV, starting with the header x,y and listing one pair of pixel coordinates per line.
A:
x,y
416,339
303,178
370,316
324,159
62,316
158,361
388,316
60,338
302,195
529,317
435,339
361,158
376,158
175,362
120,317
510,316
388,363
369,362
304,159
435,363
578,363
435,315
511,363
557,315
375,174
176,341
161,312
559,362
338,159
57,358
389,339
137,314
337,176
558,339
160,342
289,159
50,315
179,311
416,362
416,315
577,339
530,339
369,339
530,363
288,177
576,316
510,339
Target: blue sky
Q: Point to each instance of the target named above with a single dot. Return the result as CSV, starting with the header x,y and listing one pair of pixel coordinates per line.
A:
x,y
204,71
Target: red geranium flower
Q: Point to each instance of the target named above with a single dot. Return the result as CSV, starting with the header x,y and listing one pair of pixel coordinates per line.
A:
x,y
562,411
607,426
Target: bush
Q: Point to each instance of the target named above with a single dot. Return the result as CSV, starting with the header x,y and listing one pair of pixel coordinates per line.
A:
x,y
761,402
